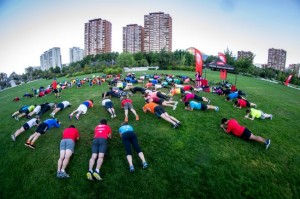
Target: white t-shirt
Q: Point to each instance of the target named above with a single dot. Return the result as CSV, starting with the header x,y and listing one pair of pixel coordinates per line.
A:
x,y
65,103
104,101
32,122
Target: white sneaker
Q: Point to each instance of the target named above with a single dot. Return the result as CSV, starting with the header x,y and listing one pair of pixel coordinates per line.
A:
x,y
174,107
176,103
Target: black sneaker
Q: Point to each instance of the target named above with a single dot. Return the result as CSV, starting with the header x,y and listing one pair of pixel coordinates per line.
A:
x,y
178,123
32,146
175,126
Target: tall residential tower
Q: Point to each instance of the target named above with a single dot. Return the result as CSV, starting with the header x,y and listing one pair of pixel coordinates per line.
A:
x,y
276,59
97,37
50,58
158,32
76,54
133,38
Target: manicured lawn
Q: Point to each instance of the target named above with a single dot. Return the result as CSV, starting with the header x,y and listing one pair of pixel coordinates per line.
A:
x,y
196,161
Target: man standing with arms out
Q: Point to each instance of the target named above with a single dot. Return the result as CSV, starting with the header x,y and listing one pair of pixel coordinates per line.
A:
x,y
240,131
67,144
101,133
54,86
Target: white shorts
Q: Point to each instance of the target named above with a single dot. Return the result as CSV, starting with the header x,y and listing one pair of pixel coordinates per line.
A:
x,y
82,108
37,109
158,86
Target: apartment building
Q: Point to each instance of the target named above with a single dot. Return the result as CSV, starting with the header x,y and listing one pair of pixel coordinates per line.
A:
x,y
277,59
51,58
157,32
244,54
76,54
133,38
97,37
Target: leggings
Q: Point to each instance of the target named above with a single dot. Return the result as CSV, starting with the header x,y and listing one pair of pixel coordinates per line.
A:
x,y
130,138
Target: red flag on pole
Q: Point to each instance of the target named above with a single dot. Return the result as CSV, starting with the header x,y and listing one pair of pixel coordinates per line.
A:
x,y
222,57
199,61
288,80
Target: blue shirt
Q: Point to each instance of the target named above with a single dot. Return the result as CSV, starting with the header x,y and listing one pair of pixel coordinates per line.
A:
x,y
125,128
195,105
52,123
86,103
233,95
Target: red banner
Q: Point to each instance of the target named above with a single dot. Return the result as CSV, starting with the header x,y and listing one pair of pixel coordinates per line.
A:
x,y
222,57
199,61
288,80
223,74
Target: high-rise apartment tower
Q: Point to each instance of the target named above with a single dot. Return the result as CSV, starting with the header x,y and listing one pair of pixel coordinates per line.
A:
x,y
133,38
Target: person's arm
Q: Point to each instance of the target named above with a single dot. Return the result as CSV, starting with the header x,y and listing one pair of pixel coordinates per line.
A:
x,y
223,127
249,117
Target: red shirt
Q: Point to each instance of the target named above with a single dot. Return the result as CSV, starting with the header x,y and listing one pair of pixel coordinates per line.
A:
x,y
242,103
187,87
71,133
126,100
234,127
102,131
54,84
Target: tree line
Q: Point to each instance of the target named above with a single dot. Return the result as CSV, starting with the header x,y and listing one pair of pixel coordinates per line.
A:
x,y
113,63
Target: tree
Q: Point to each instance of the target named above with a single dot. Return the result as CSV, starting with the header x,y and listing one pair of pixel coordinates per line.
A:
x,y
125,60
230,59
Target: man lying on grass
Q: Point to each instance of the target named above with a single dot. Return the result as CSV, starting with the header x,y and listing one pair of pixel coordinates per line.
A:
x,y
240,131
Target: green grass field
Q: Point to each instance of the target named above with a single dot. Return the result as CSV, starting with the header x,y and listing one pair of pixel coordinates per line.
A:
x,y
198,160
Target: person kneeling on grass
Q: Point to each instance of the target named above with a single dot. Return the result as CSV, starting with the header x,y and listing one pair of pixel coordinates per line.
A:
x,y
42,129
240,131
67,144
199,106
25,127
254,113
129,138
101,133
161,113
82,109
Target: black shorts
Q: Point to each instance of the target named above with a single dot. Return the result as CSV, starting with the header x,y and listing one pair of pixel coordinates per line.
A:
x,y
246,134
159,110
198,98
26,111
26,126
55,90
42,128
203,106
108,105
61,106
247,103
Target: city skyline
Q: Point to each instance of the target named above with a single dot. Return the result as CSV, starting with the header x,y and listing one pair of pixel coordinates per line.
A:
x,y
29,28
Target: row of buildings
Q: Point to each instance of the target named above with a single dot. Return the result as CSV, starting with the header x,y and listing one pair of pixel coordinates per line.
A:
x,y
153,36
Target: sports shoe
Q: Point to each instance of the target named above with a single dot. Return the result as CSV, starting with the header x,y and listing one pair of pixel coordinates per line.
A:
x,y
77,117
115,115
97,175
175,126
137,118
208,102
13,137
58,174
174,107
126,119
112,116
268,142
64,174
27,144
89,176
145,165
217,108
178,123
131,168
16,118
70,117
175,104
52,115
32,146
271,117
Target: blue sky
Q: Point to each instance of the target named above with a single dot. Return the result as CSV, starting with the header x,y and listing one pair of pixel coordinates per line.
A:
x,y
30,27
